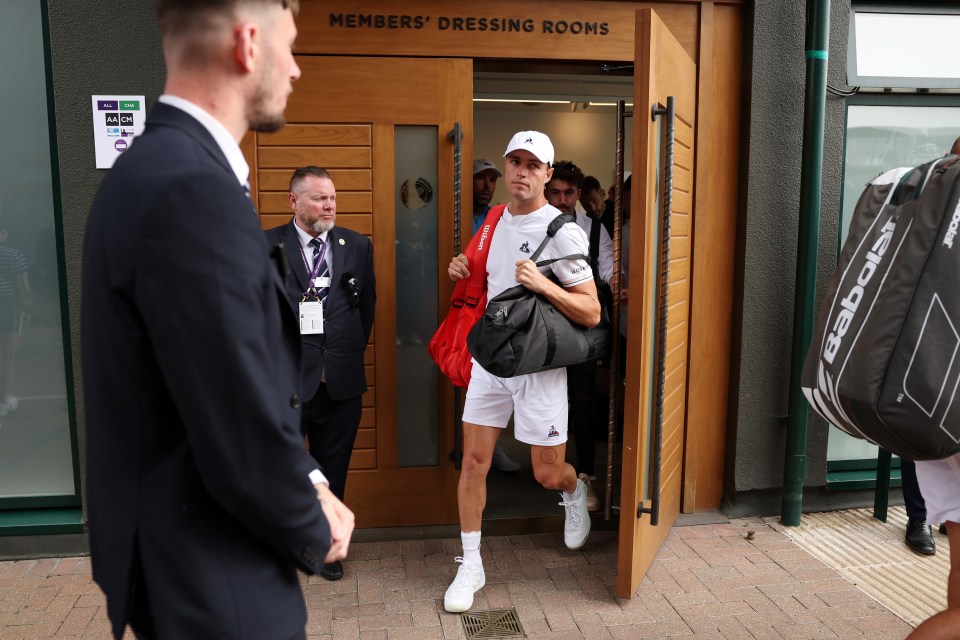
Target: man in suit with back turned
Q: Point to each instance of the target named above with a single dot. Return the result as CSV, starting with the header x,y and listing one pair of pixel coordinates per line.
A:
x,y
333,286
202,500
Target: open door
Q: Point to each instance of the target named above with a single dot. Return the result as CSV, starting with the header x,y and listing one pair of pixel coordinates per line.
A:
x,y
659,296
382,127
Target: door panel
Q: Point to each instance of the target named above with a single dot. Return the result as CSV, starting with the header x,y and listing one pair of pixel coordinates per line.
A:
x,y
343,115
662,69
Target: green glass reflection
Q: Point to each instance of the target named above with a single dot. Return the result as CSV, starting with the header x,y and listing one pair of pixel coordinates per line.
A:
x,y
36,451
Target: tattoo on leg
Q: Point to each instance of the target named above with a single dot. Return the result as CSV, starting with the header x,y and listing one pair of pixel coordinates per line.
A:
x,y
548,456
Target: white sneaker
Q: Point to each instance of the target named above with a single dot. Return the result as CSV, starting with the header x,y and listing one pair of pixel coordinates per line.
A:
x,y
502,462
593,502
576,528
470,579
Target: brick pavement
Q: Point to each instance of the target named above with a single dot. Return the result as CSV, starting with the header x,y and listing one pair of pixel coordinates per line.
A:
x,y
708,581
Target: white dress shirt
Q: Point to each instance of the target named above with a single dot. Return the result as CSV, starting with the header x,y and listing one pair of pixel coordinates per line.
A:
x,y
605,250
220,134
307,249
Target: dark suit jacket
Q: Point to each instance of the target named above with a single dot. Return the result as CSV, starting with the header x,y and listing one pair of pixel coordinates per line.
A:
x,y
197,478
346,323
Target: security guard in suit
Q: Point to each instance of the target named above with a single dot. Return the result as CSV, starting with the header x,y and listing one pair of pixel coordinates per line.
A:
x,y
333,287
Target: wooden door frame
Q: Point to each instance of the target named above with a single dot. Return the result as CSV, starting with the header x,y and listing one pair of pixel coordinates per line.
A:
x,y
712,32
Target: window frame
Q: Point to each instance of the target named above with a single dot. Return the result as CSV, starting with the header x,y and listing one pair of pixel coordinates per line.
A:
x,y
59,513
854,79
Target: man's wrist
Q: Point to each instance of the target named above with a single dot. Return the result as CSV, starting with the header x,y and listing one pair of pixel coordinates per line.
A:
x,y
316,477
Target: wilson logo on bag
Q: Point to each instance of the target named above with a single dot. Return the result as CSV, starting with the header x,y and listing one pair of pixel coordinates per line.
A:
x,y
448,347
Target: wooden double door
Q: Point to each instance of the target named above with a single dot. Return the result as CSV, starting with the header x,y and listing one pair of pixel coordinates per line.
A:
x,y
353,116
381,127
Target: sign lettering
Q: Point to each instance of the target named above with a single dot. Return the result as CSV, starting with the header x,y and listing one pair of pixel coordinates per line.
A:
x,y
470,23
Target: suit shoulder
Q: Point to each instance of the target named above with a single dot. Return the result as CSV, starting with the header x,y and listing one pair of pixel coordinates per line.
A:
x,y
277,233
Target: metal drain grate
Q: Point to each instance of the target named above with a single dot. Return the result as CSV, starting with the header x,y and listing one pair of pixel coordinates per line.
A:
x,y
499,623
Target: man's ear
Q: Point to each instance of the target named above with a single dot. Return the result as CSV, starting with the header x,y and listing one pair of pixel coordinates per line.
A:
x,y
549,176
292,199
245,45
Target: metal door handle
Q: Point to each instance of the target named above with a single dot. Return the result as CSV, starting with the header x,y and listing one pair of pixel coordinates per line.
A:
x,y
663,283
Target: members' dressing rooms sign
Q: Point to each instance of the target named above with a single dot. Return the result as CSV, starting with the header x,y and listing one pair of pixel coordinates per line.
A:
x,y
116,120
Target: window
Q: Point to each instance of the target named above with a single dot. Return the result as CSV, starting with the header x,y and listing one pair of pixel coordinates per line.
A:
x,y
903,47
38,450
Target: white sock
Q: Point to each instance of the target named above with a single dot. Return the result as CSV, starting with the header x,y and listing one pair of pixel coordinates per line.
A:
x,y
575,496
471,547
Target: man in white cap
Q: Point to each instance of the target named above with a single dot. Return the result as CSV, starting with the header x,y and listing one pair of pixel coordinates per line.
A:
x,y
485,176
537,401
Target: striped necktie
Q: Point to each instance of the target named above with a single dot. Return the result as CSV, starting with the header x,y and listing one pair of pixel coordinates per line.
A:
x,y
319,253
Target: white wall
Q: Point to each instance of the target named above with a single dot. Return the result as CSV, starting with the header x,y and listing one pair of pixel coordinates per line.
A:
x,y
586,139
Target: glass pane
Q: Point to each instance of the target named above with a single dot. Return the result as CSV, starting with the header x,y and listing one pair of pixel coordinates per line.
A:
x,y
35,447
880,138
418,419
906,49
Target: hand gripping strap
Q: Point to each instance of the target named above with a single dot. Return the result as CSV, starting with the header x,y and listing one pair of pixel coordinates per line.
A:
x,y
552,230
469,290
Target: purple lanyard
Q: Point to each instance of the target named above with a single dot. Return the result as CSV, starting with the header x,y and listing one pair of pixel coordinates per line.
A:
x,y
313,273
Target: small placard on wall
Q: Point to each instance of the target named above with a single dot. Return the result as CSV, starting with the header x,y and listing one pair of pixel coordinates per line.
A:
x,y
116,121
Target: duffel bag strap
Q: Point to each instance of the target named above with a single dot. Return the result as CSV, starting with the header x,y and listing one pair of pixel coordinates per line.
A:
x,y
552,229
572,256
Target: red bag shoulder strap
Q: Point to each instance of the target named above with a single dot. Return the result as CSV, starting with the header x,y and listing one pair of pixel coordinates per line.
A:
x,y
469,290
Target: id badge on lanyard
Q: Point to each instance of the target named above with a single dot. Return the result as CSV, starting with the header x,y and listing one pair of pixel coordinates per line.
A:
x,y
311,307
311,316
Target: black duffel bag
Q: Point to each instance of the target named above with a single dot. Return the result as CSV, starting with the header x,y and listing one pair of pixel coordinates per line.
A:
x,y
522,332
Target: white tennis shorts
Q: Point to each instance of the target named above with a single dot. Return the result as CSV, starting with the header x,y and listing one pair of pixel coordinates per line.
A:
x,y
538,402
939,482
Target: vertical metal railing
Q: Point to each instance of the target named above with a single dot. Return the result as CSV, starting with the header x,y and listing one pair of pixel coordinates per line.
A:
x,y
456,136
614,385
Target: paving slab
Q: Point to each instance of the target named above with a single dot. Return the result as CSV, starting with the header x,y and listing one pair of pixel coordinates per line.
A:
x,y
750,578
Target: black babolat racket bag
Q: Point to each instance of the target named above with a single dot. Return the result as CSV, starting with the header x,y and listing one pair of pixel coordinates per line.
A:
x,y
884,361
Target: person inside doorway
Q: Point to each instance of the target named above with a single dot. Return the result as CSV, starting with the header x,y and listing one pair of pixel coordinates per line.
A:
x,y
564,192
537,401
485,176
591,198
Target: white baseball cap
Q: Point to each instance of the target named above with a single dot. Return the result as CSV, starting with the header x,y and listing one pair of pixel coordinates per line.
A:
x,y
481,164
533,141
